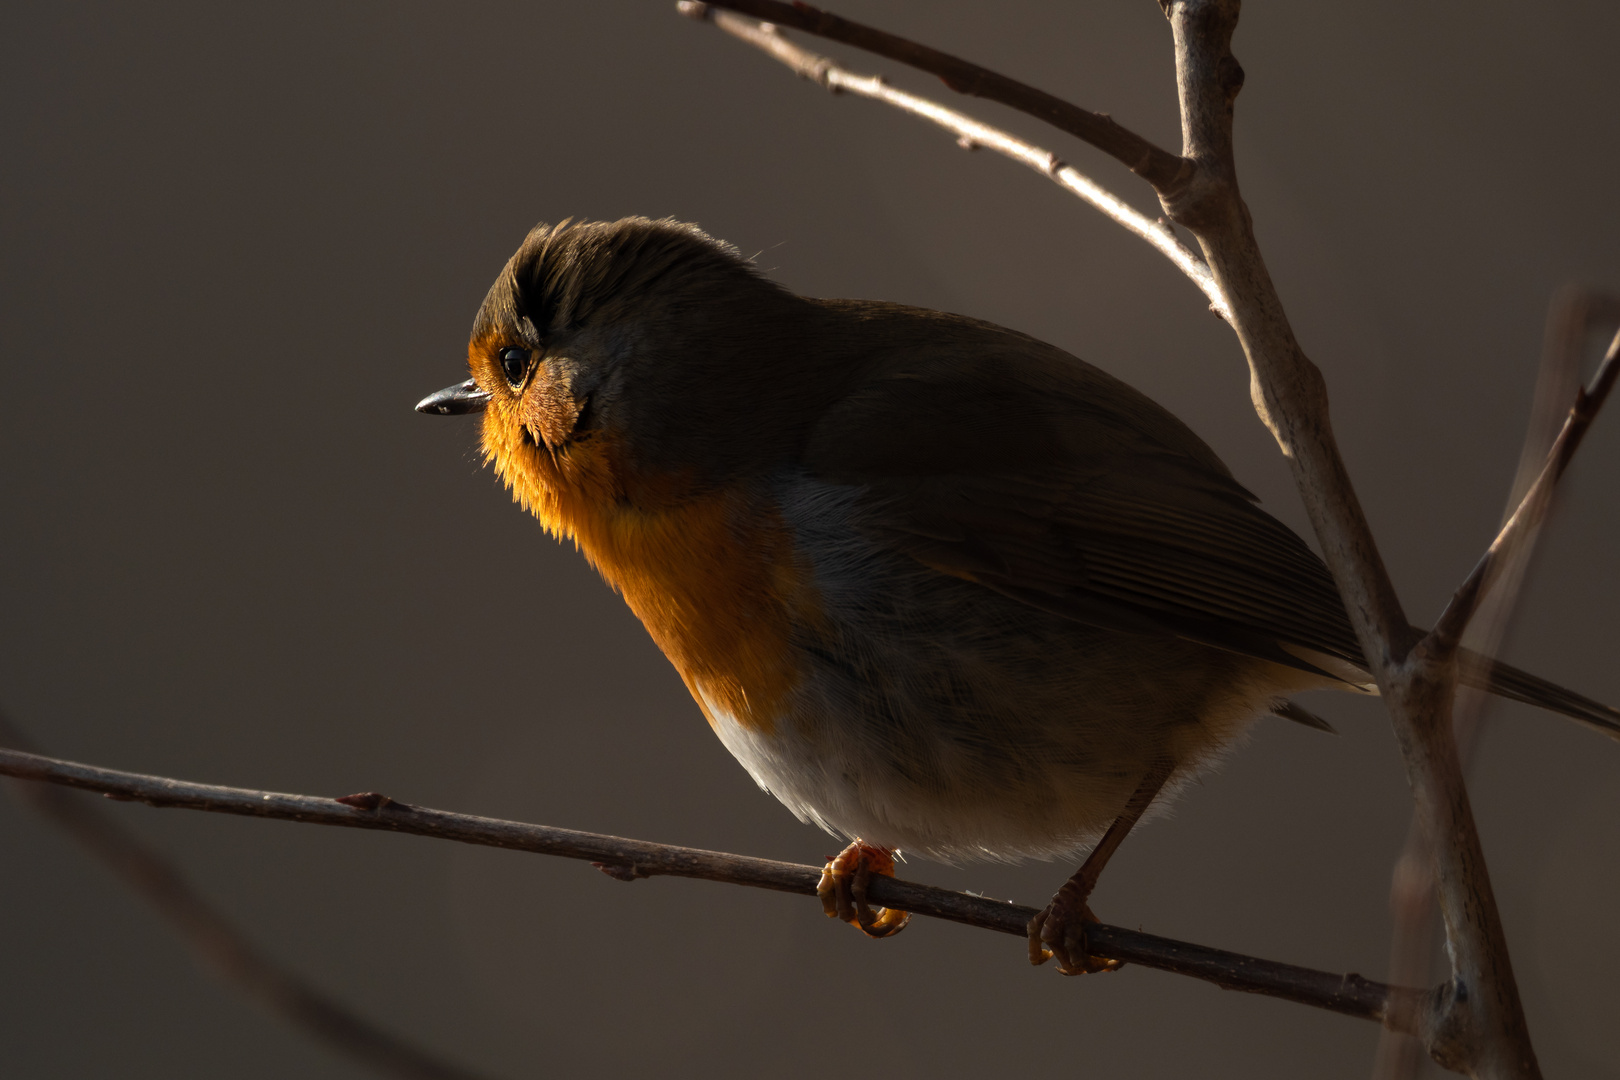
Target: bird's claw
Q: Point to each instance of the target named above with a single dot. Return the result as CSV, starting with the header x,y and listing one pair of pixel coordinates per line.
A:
x,y
1060,932
843,886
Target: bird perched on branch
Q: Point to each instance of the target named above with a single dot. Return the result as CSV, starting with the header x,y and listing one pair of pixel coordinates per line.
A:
x,y
939,586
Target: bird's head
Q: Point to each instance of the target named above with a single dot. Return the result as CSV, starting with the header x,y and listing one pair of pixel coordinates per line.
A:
x,y
610,359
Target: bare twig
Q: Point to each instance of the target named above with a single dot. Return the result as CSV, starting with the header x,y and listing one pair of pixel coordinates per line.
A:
x,y
1531,510
970,133
1573,315
223,945
627,860
1570,318
1164,170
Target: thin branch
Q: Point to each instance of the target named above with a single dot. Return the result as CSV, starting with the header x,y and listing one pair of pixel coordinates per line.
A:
x,y
1479,1027
1572,316
971,134
223,945
1164,170
1532,509
626,860
1570,319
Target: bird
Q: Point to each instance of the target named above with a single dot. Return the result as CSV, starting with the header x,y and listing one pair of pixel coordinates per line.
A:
x,y
940,587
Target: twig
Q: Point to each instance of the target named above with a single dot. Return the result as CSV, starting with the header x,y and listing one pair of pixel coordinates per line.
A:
x,y
1532,509
971,134
1398,1007
1164,170
1570,318
224,946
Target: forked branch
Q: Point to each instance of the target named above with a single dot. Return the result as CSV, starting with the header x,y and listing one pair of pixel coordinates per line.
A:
x,y
1159,167
1573,314
1532,509
1479,1027
970,134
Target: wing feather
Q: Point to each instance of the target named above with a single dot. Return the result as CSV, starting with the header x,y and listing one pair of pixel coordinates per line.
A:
x,y
990,456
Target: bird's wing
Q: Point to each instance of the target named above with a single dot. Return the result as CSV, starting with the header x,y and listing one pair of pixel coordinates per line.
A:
x,y
1015,466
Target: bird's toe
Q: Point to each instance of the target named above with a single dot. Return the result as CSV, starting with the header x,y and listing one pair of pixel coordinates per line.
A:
x,y
843,890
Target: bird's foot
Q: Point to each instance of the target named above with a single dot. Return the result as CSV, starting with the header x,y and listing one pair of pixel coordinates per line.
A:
x,y
843,890
1060,931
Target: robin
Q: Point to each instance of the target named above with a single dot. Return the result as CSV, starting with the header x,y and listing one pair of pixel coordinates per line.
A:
x,y
937,585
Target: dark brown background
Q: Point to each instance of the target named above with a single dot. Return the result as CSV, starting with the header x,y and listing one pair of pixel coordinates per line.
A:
x,y
241,241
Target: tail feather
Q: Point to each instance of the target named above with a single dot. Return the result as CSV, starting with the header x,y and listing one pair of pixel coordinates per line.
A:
x,y
1483,673
1289,710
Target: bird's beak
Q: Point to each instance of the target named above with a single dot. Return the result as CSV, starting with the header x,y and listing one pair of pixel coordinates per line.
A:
x,y
455,400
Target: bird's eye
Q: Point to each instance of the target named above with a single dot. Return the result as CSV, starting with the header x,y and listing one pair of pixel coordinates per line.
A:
x,y
515,364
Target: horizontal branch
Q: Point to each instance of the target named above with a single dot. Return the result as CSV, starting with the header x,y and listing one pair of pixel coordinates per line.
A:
x,y
1167,172
1399,1008
970,134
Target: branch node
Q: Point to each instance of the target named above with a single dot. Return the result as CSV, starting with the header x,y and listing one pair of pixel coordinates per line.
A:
x,y
1196,200
621,871
1447,1032
366,800
1232,77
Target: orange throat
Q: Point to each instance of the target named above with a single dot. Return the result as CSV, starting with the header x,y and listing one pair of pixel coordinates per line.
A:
x,y
711,575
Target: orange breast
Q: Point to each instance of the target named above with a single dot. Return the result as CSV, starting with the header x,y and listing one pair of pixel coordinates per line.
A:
x,y
717,589
712,576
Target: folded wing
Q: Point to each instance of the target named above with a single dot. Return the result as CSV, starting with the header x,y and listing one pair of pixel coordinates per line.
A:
x,y
990,456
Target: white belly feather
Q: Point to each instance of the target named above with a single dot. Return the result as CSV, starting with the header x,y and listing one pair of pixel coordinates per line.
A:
x,y
942,718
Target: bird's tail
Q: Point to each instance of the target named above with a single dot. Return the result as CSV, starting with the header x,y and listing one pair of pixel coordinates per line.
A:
x,y
1483,673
